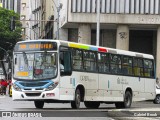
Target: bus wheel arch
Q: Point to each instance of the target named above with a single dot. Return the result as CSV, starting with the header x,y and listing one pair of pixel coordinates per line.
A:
x,y
127,101
78,97
82,91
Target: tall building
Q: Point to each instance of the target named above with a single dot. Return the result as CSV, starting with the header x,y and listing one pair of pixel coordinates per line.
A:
x,y
25,14
35,18
12,5
48,17
31,11
124,24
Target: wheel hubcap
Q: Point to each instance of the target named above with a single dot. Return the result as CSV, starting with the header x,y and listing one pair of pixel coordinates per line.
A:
x,y
158,99
127,101
78,99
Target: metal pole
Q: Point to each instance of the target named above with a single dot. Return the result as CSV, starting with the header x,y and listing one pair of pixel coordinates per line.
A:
x,y
58,10
98,22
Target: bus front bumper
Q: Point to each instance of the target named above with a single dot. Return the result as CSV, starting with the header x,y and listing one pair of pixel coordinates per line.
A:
x,y
35,95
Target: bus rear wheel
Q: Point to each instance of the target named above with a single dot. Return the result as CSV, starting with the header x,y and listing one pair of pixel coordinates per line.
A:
x,y
76,103
39,104
127,101
91,104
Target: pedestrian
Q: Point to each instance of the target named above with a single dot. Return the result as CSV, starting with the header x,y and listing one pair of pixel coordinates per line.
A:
x,y
4,85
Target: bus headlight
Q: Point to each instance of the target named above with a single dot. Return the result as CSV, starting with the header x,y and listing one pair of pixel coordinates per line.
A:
x,y
16,87
51,87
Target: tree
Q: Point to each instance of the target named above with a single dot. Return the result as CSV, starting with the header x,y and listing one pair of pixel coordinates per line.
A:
x,y
6,35
8,38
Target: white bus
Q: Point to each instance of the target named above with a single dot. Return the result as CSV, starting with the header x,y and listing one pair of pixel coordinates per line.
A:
x,y
90,74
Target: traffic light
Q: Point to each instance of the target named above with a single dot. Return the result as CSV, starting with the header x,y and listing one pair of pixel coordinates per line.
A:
x,y
12,25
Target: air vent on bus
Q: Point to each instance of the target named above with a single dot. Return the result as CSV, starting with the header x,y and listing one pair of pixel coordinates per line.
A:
x,y
33,94
27,89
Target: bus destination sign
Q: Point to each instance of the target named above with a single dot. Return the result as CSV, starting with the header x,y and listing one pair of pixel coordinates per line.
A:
x,y
36,46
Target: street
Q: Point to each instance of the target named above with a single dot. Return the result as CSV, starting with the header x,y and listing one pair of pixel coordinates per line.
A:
x,y
27,110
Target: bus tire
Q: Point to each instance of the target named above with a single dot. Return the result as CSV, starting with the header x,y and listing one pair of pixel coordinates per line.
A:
x,y
157,99
76,103
91,104
127,101
39,104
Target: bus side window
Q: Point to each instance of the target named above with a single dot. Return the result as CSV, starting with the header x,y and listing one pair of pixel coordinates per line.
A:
x,y
148,68
127,65
103,63
115,65
77,59
135,67
89,61
140,65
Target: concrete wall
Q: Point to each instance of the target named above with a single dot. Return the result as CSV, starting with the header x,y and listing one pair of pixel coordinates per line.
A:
x,y
84,33
122,37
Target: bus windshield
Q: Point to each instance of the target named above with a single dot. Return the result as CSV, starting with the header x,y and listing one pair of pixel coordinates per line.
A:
x,y
35,66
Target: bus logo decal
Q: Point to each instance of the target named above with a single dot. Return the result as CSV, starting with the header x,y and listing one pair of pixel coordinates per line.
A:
x,y
21,68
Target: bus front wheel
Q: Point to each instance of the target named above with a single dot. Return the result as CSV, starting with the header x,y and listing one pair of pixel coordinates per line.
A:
x,y
76,103
127,101
39,104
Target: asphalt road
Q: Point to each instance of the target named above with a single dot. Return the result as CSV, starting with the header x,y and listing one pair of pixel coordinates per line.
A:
x,y
59,111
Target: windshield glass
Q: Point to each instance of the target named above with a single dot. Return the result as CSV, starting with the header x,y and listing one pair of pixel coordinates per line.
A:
x,y
35,65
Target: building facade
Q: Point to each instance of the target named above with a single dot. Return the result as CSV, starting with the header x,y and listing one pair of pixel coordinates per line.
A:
x,y
132,25
12,5
31,17
25,14
47,17
37,19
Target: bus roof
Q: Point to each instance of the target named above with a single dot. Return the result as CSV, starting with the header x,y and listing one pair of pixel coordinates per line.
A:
x,y
105,49
94,48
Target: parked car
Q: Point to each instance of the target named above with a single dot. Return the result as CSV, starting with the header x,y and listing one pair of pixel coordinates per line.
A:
x,y
157,99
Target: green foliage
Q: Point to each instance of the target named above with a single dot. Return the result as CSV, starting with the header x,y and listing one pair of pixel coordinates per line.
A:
x,y
6,35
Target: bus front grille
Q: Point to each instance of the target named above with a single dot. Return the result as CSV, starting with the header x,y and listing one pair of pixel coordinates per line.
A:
x,y
33,84
33,94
